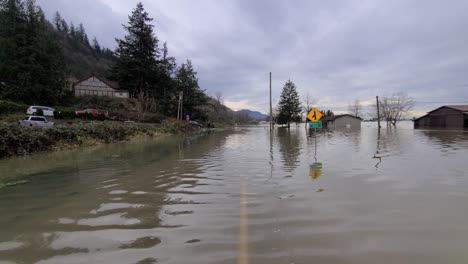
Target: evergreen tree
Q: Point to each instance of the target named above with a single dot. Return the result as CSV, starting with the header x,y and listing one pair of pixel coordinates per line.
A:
x,y
58,21
64,26
96,45
81,32
193,96
86,40
168,94
72,30
289,106
136,68
31,62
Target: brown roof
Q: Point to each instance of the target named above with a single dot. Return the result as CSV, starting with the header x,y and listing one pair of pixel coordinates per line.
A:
x,y
463,108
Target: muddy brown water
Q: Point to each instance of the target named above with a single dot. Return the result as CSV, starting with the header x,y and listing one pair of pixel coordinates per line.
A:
x,y
244,196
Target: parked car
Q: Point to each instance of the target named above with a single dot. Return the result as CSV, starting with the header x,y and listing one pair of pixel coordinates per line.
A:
x,y
93,112
47,111
35,121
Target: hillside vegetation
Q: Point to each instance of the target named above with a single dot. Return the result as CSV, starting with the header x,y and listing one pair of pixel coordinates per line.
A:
x,y
82,56
39,59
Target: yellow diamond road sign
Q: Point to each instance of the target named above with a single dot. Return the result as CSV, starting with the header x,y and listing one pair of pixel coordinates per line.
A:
x,y
314,115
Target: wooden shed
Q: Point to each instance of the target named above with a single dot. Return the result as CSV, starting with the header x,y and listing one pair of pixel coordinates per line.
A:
x,y
341,121
447,116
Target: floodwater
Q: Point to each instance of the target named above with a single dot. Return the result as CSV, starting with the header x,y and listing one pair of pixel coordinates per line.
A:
x,y
244,196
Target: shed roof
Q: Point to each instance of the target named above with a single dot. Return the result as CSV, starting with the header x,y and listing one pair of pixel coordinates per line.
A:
x,y
334,117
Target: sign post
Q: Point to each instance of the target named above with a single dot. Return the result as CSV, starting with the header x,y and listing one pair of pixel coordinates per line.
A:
x,y
315,170
314,116
316,124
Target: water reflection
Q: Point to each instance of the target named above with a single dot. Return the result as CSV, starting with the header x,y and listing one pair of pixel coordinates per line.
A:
x,y
179,200
377,152
315,170
446,138
290,146
387,144
121,186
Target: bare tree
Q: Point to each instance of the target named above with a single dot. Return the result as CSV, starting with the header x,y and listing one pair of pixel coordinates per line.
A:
x,y
355,108
145,104
395,107
219,98
308,103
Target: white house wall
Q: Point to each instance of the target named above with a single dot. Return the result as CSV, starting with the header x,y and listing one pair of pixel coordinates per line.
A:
x,y
95,87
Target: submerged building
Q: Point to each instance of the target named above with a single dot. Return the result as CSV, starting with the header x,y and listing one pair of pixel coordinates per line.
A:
x,y
341,121
447,116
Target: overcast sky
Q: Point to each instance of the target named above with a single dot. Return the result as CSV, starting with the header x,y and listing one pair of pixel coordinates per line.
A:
x,y
336,51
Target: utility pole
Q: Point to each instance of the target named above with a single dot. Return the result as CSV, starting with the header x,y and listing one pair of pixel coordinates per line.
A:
x,y
378,111
271,109
179,106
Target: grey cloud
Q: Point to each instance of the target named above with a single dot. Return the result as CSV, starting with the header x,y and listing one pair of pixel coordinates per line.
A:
x,y
336,50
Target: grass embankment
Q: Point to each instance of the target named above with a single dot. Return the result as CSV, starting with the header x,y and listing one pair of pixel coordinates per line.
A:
x,y
17,140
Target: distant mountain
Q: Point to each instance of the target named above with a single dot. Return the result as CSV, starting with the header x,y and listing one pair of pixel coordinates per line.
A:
x,y
252,114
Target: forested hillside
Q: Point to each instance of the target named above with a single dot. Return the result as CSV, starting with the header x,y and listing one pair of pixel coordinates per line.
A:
x,y
39,58
82,55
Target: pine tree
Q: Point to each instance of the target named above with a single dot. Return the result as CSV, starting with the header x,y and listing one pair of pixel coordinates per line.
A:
x,y
81,32
86,40
72,30
58,21
289,106
136,67
31,62
193,95
168,94
64,26
96,45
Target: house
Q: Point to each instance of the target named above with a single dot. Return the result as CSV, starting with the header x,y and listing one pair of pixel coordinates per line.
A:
x,y
450,116
341,121
97,86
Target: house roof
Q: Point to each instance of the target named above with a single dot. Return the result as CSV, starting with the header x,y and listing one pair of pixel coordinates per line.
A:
x,y
111,84
461,108
332,118
420,117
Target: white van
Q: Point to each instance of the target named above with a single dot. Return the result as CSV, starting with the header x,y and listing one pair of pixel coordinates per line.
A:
x,y
48,111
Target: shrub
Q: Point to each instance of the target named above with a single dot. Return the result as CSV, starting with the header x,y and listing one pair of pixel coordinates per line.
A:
x,y
39,112
16,140
101,117
7,107
64,113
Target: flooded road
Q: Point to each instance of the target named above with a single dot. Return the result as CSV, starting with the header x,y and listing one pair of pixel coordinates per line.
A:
x,y
244,196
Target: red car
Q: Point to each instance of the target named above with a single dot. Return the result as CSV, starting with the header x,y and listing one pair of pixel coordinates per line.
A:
x,y
93,112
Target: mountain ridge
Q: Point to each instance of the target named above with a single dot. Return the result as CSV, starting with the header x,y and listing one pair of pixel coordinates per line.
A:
x,y
253,114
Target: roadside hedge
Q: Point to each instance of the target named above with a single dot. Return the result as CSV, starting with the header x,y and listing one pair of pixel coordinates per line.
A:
x,y
7,107
18,140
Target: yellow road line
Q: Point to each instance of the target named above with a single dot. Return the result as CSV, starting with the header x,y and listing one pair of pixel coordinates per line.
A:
x,y
243,230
